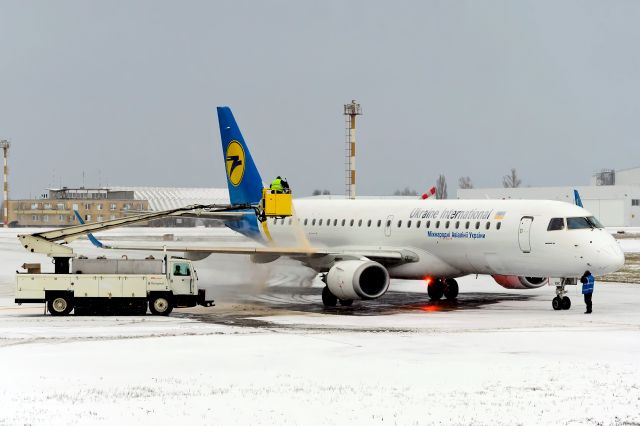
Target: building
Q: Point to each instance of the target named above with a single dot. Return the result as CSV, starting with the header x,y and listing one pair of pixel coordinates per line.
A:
x,y
55,208
613,197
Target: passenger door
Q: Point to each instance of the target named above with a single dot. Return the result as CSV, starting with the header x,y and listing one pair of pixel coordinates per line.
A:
x,y
387,226
524,234
181,278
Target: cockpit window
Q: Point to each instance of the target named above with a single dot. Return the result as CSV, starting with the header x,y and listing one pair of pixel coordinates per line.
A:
x,y
594,222
556,224
578,223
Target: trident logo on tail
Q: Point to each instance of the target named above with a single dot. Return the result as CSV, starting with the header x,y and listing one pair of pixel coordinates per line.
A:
x,y
235,162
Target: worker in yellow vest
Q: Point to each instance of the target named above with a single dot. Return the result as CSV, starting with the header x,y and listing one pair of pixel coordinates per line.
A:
x,y
276,185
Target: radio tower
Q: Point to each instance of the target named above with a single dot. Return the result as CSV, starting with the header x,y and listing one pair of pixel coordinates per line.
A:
x,y
5,210
350,112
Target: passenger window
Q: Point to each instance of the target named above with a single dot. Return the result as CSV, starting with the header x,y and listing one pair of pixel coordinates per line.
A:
x,y
306,221
360,222
351,222
388,223
369,223
457,224
290,221
408,224
320,222
328,222
344,221
428,224
498,225
477,225
446,225
313,222
556,224
418,224
466,225
399,223
335,222
488,225
379,223
438,225
578,223
181,270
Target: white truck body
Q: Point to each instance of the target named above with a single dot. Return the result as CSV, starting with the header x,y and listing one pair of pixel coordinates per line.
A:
x,y
114,285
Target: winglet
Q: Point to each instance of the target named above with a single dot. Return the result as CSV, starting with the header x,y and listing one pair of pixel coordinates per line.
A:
x,y
93,239
576,197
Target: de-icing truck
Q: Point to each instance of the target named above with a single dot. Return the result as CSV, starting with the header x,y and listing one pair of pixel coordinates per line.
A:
x,y
129,286
125,286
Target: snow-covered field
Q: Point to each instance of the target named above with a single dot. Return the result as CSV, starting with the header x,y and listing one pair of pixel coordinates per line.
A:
x,y
269,354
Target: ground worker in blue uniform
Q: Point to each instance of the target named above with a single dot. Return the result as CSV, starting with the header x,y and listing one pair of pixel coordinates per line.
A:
x,y
588,282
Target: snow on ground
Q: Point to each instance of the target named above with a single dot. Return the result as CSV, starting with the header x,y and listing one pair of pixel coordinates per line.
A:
x,y
494,357
630,245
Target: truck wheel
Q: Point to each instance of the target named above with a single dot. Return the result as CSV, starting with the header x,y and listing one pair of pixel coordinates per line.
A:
x,y
60,305
160,305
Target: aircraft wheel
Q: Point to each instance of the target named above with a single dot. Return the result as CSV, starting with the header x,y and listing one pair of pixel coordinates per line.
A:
x,y
60,305
436,290
451,289
328,298
566,303
556,303
347,302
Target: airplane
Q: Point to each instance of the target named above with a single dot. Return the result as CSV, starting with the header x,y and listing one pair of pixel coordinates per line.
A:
x,y
359,245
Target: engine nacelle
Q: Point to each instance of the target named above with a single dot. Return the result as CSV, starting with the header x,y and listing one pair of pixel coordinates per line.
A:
x,y
520,283
358,279
196,255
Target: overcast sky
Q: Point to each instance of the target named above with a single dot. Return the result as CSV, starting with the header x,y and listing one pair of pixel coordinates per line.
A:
x,y
126,90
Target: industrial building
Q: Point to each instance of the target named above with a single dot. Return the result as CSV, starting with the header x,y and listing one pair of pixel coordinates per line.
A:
x,y
613,196
55,207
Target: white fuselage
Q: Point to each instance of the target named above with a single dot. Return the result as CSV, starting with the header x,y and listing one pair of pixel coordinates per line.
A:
x,y
454,237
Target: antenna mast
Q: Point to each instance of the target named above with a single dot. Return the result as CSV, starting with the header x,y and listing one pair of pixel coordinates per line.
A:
x,y
350,112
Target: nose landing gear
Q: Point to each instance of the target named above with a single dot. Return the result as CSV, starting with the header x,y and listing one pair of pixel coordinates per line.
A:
x,y
561,301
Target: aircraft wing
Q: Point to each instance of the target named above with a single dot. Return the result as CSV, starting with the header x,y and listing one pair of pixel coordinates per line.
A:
x,y
386,257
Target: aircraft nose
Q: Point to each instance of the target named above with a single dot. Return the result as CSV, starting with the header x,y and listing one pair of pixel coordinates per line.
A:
x,y
611,258
616,260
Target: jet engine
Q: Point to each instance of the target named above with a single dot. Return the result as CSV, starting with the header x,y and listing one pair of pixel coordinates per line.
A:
x,y
196,255
357,279
520,283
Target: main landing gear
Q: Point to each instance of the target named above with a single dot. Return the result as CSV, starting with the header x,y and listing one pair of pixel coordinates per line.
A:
x,y
561,301
447,287
330,300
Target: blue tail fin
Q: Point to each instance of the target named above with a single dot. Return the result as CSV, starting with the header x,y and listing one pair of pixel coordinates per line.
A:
x,y
576,198
243,178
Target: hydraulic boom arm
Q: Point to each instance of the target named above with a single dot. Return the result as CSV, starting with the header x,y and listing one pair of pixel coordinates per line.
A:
x,y
46,242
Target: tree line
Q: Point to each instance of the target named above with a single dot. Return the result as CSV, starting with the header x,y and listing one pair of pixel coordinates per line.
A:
x,y
510,180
